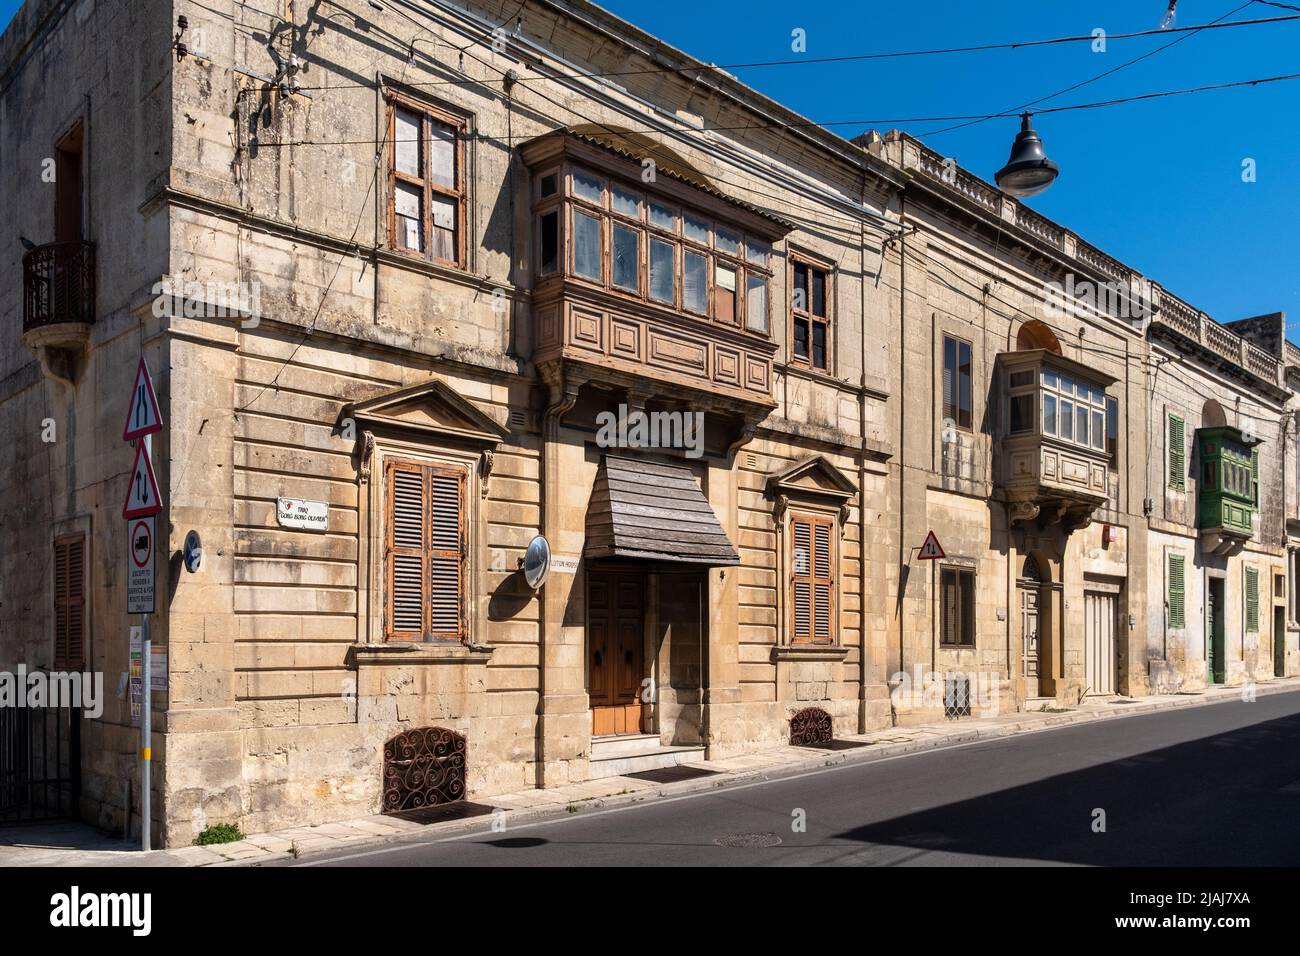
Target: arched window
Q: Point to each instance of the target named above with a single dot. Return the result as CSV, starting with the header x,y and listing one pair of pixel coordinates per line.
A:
x,y
1036,335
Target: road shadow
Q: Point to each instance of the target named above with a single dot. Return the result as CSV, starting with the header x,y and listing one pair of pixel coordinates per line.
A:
x,y
1231,799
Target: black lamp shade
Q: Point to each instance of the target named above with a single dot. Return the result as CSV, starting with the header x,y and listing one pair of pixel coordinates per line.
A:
x,y
1028,171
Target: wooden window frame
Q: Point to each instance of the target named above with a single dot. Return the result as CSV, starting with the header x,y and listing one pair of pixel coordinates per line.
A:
x,y
1250,576
813,520
63,658
1173,559
427,468
1176,456
958,342
807,315
429,115
961,572
745,266
1112,404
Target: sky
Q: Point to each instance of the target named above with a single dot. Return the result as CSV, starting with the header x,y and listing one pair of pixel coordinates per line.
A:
x,y
1159,185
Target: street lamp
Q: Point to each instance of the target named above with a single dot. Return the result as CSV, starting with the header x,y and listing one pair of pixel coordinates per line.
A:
x,y
1028,171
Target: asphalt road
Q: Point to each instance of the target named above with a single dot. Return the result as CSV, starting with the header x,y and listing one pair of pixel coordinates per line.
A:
x,y
1211,785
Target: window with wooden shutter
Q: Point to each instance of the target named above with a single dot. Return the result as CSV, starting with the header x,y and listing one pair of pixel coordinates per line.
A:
x,y
1177,455
425,554
812,579
1252,600
1177,591
1254,475
957,403
70,602
957,607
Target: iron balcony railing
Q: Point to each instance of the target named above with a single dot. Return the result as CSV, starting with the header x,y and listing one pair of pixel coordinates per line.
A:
x,y
59,284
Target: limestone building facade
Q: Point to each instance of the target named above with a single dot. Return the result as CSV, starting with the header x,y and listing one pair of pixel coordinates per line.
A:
x,y
421,282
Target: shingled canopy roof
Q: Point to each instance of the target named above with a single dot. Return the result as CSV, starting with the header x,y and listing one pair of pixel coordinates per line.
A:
x,y
655,512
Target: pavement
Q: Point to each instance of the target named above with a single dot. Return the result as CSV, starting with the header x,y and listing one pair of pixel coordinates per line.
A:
x,y
766,777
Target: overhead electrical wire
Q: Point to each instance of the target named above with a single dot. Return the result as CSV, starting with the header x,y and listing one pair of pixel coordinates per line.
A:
x,y
1097,104
705,68
1100,76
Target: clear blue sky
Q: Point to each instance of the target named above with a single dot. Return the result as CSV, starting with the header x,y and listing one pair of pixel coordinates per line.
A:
x,y
1157,184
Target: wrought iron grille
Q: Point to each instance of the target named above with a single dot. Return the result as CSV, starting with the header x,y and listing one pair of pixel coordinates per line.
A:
x,y
956,696
40,763
810,727
424,768
59,284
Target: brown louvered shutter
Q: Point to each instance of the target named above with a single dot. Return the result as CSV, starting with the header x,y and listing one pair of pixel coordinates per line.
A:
x,y
812,566
69,603
425,552
445,553
800,579
822,583
406,553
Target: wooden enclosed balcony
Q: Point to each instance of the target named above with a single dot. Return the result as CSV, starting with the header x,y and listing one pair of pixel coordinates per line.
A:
x,y
650,283
1059,427
58,303
1227,489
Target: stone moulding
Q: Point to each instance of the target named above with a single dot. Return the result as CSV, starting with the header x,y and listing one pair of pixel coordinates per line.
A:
x,y
433,652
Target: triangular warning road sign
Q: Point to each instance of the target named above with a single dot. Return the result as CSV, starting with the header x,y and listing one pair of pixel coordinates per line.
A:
x,y
142,498
932,550
142,417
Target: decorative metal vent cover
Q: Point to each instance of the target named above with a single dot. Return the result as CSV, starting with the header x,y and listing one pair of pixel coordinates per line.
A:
x,y
423,768
810,727
956,697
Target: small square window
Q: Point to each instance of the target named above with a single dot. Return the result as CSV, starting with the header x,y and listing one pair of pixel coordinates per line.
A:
x,y
695,229
663,217
588,187
726,241
625,202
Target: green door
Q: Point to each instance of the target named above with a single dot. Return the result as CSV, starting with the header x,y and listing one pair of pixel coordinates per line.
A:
x,y
1209,633
1279,642
1215,655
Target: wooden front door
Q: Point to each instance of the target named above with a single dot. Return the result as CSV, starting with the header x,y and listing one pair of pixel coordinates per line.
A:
x,y
1099,642
615,651
1029,597
1215,655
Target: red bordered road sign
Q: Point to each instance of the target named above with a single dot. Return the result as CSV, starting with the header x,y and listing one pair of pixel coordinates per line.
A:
x,y
140,565
142,415
932,550
142,498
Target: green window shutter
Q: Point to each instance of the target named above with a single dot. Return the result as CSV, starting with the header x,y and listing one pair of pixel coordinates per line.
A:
x,y
1254,475
1177,613
1177,455
1252,600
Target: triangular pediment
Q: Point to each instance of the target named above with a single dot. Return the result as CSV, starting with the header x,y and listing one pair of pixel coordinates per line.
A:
x,y
431,408
814,476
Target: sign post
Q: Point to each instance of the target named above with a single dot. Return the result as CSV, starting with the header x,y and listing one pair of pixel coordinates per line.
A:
x,y
142,503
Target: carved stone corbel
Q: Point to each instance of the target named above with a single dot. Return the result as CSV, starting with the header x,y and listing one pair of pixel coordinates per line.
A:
x,y
365,455
1023,511
845,510
747,432
485,472
779,509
